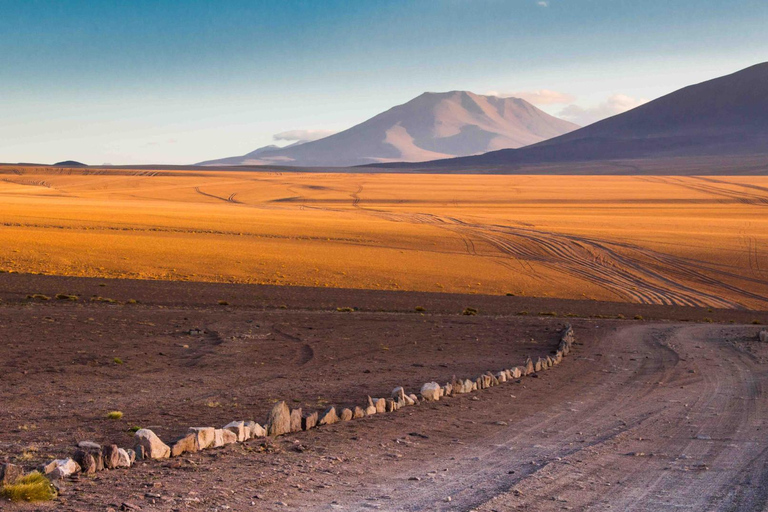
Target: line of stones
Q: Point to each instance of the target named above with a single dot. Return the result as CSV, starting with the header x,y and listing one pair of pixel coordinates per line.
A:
x,y
91,457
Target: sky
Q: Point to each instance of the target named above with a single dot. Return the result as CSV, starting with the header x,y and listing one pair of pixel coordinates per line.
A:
x,y
177,82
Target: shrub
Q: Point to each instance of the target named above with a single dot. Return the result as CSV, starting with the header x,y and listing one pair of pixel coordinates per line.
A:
x,y
469,311
131,301
223,303
345,310
38,296
115,415
64,296
117,360
103,299
31,487
638,317
547,313
134,429
620,316
420,309
708,320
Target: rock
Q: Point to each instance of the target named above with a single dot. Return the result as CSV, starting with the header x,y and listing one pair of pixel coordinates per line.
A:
x,y
414,399
187,444
502,376
529,367
139,453
279,420
370,407
479,383
358,412
61,468
408,400
204,437
381,405
296,420
550,363
346,414
309,421
763,336
474,386
9,473
96,451
517,372
329,417
398,393
131,455
111,456
447,390
123,458
227,436
430,391
390,405
253,429
537,365
89,446
153,447
238,428
85,460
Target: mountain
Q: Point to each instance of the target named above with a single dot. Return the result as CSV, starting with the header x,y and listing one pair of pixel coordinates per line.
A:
x,y
724,116
70,163
431,126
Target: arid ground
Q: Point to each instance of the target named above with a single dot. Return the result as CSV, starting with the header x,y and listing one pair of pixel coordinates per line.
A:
x,y
663,413
698,241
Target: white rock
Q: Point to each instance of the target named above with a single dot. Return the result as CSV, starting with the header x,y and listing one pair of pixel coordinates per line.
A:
x,y
238,428
398,393
153,447
61,468
205,437
763,336
430,391
124,458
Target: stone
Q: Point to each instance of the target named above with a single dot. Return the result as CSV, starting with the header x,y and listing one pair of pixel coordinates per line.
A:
x,y
279,420
430,391
227,437
296,420
358,413
414,399
550,363
398,393
85,460
370,407
250,427
139,453
89,446
153,447
381,405
391,407
96,451
123,458
346,414
61,468
309,421
131,455
187,444
329,417
111,456
537,365
763,336
204,437
9,473
517,372
238,428
218,438
502,376
529,367
408,400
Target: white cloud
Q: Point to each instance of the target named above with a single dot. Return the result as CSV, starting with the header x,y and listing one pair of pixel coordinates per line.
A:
x,y
614,105
302,135
540,97
542,3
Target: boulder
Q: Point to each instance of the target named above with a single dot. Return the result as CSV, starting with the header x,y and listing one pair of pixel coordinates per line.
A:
x,y
123,458
187,444
398,394
763,336
9,473
218,438
238,428
153,447
204,437
296,420
329,417
85,460
131,455
227,436
381,405
309,421
529,367
370,407
96,451
346,414
414,399
430,391
60,468
111,456
537,365
391,405
254,429
358,412
502,376
279,420
408,400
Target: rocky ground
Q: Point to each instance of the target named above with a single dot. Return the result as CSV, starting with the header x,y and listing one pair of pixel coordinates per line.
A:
x,y
656,414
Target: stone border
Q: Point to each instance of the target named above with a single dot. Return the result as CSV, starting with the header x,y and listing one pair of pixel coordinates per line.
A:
x,y
91,457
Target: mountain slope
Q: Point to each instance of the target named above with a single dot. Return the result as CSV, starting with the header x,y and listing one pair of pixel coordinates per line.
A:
x,y
724,116
431,126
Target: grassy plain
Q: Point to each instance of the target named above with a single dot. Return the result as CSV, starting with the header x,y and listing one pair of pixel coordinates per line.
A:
x,y
664,240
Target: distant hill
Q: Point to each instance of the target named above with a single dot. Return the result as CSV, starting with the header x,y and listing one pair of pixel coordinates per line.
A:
x,y
724,116
431,126
69,163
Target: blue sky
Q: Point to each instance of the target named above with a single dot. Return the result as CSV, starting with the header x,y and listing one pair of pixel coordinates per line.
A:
x,y
139,81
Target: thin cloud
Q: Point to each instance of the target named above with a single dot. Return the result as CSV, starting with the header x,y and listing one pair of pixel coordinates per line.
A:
x,y
302,135
542,3
616,104
540,97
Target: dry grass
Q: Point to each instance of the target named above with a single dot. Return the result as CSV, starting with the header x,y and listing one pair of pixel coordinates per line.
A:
x,y
115,415
31,488
633,239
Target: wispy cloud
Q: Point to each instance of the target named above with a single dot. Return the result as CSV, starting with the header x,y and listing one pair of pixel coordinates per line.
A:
x,y
616,104
542,3
302,135
540,97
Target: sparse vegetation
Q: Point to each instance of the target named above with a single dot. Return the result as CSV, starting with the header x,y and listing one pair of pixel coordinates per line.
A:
x,y
620,316
64,296
345,310
38,296
103,299
639,317
32,487
708,320
134,429
131,301
547,313
756,322
223,303
420,309
117,360
115,415
469,311
523,313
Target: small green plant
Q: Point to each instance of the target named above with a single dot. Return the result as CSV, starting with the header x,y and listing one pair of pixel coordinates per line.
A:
x,y
420,309
31,487
639,317
134,429
115,415
64,296
117,360
345,310
469,311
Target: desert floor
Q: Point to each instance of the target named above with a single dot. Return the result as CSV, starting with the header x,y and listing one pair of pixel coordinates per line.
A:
x,y
698,241
663,413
